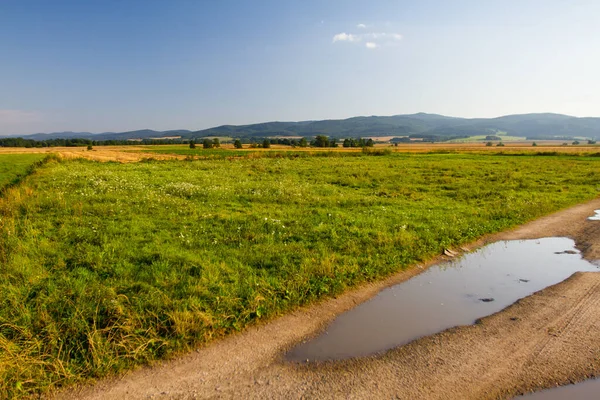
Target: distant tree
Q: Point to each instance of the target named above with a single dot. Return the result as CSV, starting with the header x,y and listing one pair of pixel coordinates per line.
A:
x,y
565,144
237,144
500,144
192,144
216,143
89,147
370,143
489,144
303,142
534,144
591,141
576,142
207,144
266,144
321,141
346,143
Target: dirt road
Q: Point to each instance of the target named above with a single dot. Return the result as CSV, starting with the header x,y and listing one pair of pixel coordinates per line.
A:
x,y
549,338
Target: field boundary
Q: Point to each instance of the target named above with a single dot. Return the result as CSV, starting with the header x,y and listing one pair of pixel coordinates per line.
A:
x,y
16,181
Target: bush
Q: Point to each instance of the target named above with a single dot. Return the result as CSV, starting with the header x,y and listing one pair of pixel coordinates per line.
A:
x,y
266,144
192,144
90,147
237,144
207,144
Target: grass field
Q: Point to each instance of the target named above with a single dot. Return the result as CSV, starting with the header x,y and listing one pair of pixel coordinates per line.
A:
x,y
15,166
107,265
515,148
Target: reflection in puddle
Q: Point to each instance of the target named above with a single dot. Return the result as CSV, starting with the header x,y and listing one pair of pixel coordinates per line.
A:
x,y
446,295
596,217
587,390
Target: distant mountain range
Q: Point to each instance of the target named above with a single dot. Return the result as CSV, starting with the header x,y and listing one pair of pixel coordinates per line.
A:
x,y
533,126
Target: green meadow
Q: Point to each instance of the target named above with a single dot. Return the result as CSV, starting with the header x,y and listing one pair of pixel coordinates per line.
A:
x,y
15,166
105,266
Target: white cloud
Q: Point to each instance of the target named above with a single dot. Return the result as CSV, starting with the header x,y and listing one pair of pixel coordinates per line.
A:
x,y
345,37
372,40
383,35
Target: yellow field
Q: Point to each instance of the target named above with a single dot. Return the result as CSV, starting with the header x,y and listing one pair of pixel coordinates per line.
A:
x,y
137,153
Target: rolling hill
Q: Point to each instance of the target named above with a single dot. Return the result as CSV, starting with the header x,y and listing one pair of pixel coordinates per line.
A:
x,y
438,127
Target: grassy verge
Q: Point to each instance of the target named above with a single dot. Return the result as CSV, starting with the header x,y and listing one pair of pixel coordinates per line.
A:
x,y
105,266
13,167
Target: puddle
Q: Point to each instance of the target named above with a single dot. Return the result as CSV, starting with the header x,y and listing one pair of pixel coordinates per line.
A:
x,y
446,295
580,391
596,216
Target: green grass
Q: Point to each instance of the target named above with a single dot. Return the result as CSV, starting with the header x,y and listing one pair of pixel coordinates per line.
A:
x,y
106,266
15,166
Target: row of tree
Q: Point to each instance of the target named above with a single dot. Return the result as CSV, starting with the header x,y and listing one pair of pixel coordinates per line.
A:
x,y
318,141
360,142
30,143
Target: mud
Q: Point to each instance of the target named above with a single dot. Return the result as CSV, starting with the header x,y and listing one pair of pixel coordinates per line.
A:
x,y
449,294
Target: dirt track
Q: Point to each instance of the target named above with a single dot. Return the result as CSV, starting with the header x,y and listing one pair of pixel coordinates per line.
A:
x,y
549,338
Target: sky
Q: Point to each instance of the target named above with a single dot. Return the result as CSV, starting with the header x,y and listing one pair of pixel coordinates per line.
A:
x,y
98,66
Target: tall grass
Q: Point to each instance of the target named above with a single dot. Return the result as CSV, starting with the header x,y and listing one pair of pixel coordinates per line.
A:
x,y
106,266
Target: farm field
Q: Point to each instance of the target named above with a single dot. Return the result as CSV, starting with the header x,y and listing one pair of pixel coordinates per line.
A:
x,y
515,148
110,265
13,166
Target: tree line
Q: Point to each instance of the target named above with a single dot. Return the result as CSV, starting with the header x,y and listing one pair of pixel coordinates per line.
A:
x,y
318,141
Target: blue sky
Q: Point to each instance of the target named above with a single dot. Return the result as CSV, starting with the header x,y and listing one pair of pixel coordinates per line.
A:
x,y
123,65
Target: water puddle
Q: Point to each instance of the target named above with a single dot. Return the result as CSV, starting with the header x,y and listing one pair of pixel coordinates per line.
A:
x,y
596,216
446,295
587,390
